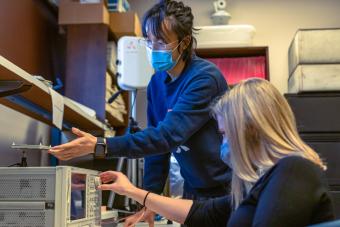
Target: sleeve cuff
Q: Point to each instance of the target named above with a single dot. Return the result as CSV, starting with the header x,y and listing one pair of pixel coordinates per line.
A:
x,y
116,146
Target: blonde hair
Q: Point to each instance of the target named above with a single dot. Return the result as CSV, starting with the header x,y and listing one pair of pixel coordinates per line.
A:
x,y
261,129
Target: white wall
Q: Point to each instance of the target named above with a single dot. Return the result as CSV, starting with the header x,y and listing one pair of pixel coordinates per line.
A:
x,y
276,22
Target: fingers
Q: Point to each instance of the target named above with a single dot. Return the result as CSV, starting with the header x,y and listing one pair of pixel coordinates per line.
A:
x,y
62,156
151,221
63,153
129,223
132,220
68,150
70,145
65,146
66,154
106,187
56,148
109,176
141,216
106,179
150,218
109,173
78,132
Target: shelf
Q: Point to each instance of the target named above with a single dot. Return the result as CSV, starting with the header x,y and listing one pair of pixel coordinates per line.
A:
x,y
119,23
251,51
86,24
36,102
124,24
114,120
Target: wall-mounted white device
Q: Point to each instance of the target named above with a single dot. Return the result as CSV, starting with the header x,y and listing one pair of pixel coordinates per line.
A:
x,y
134,70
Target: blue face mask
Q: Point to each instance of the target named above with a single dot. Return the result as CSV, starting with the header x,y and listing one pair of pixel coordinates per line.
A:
x,y
161,60
225,152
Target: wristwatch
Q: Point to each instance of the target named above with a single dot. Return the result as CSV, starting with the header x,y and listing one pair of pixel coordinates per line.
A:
x,y
100,150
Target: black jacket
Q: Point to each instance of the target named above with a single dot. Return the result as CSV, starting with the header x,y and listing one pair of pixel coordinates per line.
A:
x,y
292,193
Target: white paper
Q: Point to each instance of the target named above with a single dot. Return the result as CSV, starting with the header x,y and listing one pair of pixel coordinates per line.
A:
x,y
57,108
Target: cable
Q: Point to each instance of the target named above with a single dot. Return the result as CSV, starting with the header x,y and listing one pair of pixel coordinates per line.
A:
x,y
114,96
16,164
134,102
133,124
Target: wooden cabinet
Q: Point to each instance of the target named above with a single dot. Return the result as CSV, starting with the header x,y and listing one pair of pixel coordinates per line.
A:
x,y
74,12
125,24
86,65
88,28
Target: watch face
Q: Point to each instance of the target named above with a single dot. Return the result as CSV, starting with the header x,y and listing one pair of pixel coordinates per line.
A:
x,y
100,150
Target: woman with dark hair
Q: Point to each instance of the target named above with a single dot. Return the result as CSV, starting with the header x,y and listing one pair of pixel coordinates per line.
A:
x,y
179,120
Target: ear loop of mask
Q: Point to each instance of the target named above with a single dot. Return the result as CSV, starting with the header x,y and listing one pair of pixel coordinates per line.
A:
x,y
180,55
177,47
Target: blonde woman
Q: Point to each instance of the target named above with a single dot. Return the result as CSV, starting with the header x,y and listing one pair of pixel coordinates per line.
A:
x,y
277,179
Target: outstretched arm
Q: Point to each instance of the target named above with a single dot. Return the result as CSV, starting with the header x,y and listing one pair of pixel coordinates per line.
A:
x,y
190,113
173,209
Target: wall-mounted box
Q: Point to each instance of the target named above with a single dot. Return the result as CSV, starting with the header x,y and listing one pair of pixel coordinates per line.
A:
x,y
226,36
76,12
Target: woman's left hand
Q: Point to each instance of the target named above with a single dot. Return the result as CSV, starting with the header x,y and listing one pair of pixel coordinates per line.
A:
x,y
120,185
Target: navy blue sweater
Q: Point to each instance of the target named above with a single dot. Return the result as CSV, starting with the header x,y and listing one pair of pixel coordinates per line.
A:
x,y
179,121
